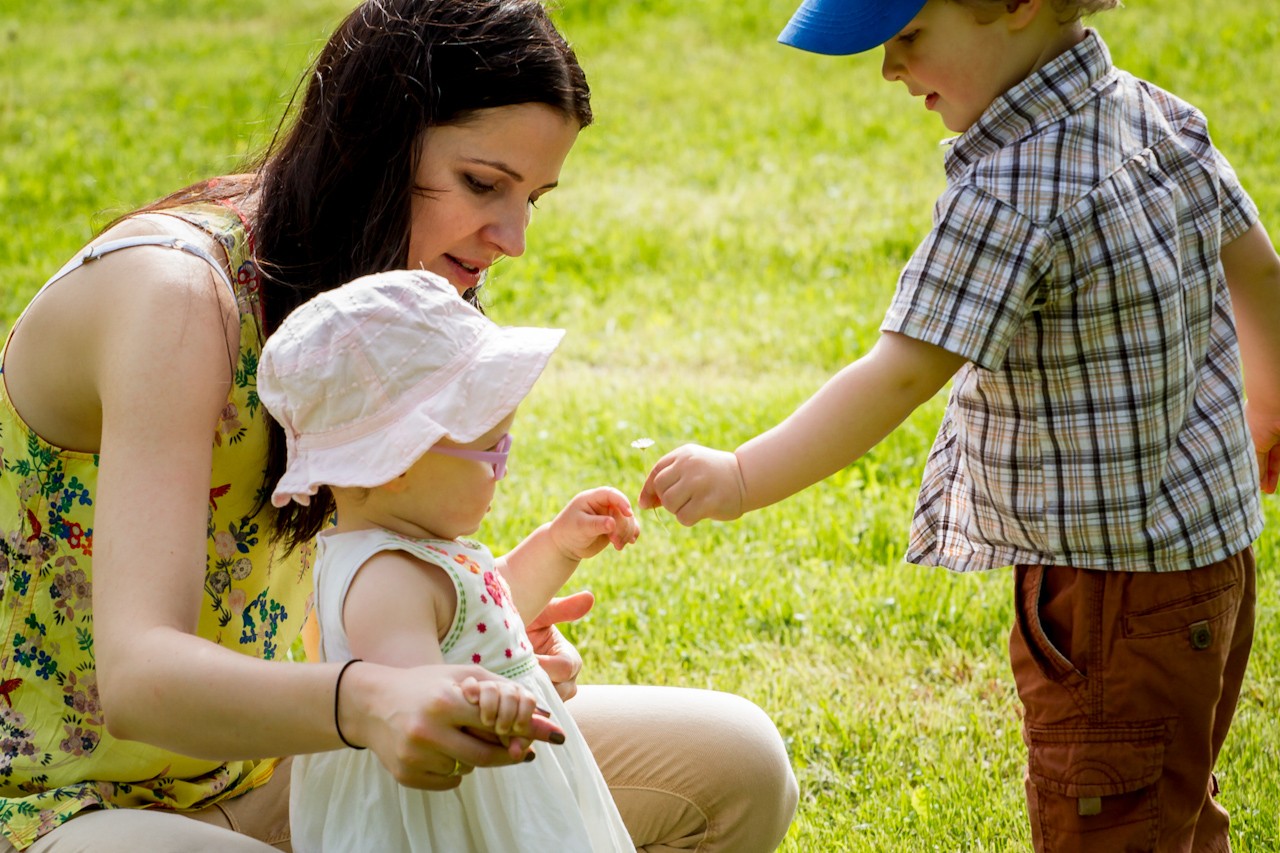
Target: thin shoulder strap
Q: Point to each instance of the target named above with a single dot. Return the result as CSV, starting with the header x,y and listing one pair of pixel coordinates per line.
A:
x,y
92,253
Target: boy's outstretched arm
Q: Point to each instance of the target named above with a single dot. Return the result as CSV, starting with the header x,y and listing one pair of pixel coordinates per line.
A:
x,y
1253,277
848,416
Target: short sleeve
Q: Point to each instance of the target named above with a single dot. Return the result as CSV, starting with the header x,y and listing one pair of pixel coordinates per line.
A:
x,y
971,283
1239,213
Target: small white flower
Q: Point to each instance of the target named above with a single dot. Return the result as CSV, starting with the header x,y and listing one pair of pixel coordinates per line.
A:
x,y
642,443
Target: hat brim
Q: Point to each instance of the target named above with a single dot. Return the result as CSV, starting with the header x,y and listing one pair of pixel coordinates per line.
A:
x,y
844,27
494,378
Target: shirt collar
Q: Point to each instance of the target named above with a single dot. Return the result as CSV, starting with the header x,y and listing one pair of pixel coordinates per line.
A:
x,y
1049,94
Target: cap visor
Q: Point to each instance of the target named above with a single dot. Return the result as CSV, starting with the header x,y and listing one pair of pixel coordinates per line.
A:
x,y
844,27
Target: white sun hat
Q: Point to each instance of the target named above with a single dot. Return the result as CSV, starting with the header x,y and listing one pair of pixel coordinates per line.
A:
x,y
366,377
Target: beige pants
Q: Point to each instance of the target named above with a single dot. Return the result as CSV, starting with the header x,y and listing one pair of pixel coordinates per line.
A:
x,y
689,770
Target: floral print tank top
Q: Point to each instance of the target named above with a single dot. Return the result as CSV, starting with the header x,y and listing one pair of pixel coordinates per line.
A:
x,y
56,757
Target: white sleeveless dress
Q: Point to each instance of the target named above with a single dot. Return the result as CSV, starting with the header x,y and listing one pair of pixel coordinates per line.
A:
x,y
346,802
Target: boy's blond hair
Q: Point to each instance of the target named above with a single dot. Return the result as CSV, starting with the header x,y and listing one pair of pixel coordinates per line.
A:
x,y
1066,10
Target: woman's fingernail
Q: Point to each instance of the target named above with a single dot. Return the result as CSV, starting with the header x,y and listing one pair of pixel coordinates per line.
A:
x,y
532,755
556,737
541,710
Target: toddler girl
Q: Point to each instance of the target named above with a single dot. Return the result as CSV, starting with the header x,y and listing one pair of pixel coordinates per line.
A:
x,y
399,397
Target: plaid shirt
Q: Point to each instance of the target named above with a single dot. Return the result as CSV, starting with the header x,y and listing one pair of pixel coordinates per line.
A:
x,y
1074,260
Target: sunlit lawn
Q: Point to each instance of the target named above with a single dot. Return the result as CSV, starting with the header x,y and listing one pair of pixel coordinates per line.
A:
x,y
726,236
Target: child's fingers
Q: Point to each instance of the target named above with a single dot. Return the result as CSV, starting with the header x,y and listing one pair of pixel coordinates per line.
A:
x,y
490,703
470,690
507,708
650,492
619,504
606,500
515,712
596,526
626,531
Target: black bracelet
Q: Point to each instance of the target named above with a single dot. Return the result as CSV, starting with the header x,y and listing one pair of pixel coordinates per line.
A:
x,y
337,688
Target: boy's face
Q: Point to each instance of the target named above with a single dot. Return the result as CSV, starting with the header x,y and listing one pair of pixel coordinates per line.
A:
x,y
959,65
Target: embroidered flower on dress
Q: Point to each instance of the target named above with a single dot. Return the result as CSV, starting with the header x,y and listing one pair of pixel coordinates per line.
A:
x,y
496,588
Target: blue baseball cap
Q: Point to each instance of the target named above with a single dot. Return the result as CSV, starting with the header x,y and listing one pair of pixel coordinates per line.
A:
x,y
842,27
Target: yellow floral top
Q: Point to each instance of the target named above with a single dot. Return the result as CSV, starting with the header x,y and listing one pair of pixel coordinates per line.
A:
x,y
56,757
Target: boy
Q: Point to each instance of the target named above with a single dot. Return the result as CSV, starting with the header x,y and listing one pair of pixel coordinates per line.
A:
x,y
1079,282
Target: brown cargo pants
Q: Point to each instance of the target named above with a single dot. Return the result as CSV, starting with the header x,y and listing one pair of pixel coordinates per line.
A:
x,y
1130,682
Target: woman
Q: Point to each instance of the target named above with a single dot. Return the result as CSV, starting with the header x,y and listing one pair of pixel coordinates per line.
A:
x,y
145,604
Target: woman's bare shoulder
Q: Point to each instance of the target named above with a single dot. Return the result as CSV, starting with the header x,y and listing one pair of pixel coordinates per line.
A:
x,y
135,306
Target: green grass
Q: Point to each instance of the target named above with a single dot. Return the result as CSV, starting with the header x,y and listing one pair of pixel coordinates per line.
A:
x,y
725,237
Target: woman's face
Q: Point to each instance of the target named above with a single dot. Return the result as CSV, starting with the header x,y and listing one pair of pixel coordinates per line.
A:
x,y
476,186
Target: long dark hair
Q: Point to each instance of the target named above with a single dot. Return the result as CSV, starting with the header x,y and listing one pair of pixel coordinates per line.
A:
x,y
335,184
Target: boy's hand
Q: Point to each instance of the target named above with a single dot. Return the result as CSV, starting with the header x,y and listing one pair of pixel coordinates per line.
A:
x,y
593,519
694,482
1266,442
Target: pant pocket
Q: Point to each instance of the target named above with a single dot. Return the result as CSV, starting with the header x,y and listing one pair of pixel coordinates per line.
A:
x,y
1197,616
1046,679
1096,788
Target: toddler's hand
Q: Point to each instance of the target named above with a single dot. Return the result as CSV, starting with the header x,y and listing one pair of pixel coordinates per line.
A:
x,y
593,519
694,482
506,709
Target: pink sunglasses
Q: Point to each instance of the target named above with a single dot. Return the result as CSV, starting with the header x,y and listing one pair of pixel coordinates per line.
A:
x,y
496,457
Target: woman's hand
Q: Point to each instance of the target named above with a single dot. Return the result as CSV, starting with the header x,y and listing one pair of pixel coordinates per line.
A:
x,y
425,729
558,657
593,519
